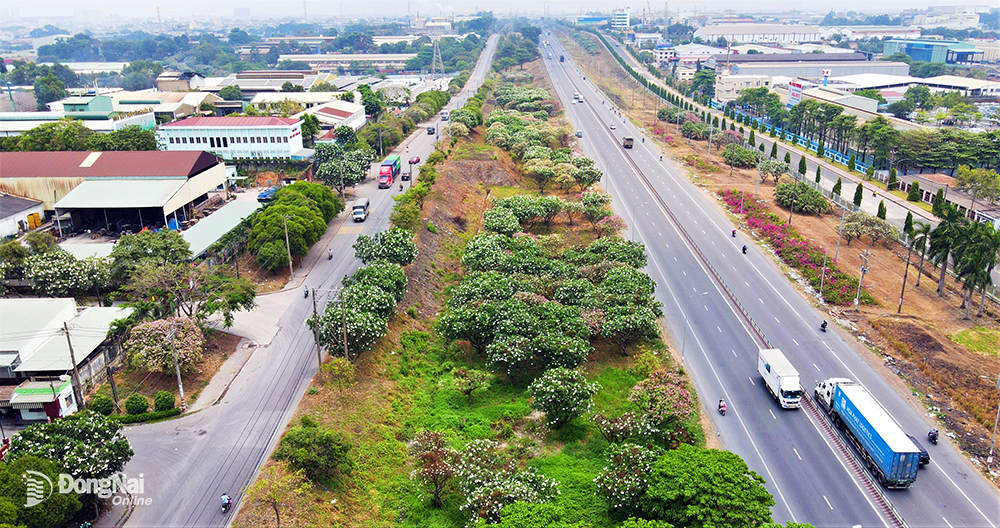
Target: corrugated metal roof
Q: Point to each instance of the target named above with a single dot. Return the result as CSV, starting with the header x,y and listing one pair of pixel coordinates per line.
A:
x,y
11,205
334,112
121,194
231,122
87,331
116,164
208,231
28,322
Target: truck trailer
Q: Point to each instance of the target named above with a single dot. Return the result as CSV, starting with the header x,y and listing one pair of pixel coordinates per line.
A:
x,y
780,377
627,142
883,446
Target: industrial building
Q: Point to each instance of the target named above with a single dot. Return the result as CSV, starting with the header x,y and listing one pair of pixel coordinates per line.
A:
x,y
337,113
18,215
96,112
235,137
728,87
179,81
756,33
252,82
621,19
939,51
329,62
804,65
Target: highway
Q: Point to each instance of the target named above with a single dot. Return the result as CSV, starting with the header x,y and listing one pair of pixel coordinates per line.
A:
x,y
810,481
188,463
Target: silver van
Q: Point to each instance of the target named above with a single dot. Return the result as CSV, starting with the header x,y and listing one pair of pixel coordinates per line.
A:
x,y
360,209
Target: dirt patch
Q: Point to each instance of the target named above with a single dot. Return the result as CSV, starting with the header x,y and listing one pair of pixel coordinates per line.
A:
x,y
218,347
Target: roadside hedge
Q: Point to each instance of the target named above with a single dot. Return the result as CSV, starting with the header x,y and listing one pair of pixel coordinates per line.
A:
x,y
154,416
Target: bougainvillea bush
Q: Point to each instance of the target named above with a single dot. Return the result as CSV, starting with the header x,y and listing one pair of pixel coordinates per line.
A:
x,y
794,250
151,345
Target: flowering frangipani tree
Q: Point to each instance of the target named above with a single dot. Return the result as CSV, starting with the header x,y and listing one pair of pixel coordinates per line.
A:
x,y
87,445
625,479
490,479
664,396
151,344
562,394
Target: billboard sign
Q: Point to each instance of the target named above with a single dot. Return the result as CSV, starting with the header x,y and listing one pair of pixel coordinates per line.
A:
x,y
794,94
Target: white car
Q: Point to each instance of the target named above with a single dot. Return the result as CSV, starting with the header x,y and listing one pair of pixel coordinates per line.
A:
x,y
613,127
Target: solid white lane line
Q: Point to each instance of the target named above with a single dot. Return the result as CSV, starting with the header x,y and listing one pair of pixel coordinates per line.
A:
x,y
827,346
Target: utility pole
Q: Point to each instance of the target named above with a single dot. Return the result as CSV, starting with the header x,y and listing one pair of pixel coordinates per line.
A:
x,y
177,367
909,251
111,378
288,247
77,391
864,256
343,320
319,354
840,232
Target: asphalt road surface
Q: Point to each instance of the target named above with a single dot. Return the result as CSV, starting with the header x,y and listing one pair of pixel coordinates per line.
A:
x,y
188,463
809,480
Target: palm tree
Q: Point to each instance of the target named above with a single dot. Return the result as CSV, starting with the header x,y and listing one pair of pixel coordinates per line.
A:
x,y
966,254
943,240
991,257
921,237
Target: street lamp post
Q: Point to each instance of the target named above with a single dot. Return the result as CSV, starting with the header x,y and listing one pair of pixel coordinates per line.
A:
x,y
822,279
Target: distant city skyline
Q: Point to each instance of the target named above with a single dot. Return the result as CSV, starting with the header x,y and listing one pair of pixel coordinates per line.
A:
x,y
397,8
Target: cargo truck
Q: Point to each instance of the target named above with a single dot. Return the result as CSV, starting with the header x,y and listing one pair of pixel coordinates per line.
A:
x,y
884,448
627,141
388,171
562,58
780,377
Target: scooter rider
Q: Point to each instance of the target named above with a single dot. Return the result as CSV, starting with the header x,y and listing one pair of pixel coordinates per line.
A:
x,y
823,326
744,250
329,254
305,290
227,501
722,406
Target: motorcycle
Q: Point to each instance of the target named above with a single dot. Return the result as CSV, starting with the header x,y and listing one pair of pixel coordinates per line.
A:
x,y
722,407
744,250
305,290
329,254
734,233
932,435
225,508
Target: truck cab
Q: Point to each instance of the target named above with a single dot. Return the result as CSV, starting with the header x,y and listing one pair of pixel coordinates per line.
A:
x,y
823,393
627,142
780,377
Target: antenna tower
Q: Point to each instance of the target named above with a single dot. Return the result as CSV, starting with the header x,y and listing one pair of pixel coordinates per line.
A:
x,y
305,14
437,65
159,20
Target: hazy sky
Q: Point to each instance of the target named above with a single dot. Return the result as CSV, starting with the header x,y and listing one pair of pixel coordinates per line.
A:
x,y
325,8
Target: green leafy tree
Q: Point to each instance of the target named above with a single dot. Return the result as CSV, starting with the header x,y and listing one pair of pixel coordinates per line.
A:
x,y
562,394
231,93
624,325
851,163
276,489
163,401
837,186
151,345
48,89
788,158
394,245
937,207
385,275
362,329
58,509
818,173
870,172
687,485
340,166
340,373
129,138
87,444
136,404
64,134
149,248
305,225
774,150
198,293
805,199
881,210
893,182
819,150
467,381
529,515
101,404
323,455
752,141
914,195
501,220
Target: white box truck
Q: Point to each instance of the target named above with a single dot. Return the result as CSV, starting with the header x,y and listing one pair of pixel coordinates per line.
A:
x,y
781,378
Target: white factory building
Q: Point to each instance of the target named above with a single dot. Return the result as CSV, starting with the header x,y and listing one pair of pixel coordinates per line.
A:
x,y
753,33
236,137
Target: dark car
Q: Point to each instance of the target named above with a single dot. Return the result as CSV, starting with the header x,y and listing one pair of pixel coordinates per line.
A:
x,y
414,160
925,457
405,176
430,131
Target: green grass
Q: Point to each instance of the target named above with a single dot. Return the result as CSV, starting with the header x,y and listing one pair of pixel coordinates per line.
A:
x,y
503,191
980,340
470,151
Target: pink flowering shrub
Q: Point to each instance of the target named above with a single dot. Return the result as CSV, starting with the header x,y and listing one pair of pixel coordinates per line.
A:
x,y
794,250
150,345
664,396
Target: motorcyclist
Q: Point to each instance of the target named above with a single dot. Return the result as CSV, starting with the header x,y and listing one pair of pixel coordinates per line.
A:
x,y
661,158
734,233
823,326
933,435
305,290
722,405
744,250
329,254
226,500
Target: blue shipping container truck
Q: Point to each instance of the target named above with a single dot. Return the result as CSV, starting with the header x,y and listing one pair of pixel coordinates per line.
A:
x,y
890,455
